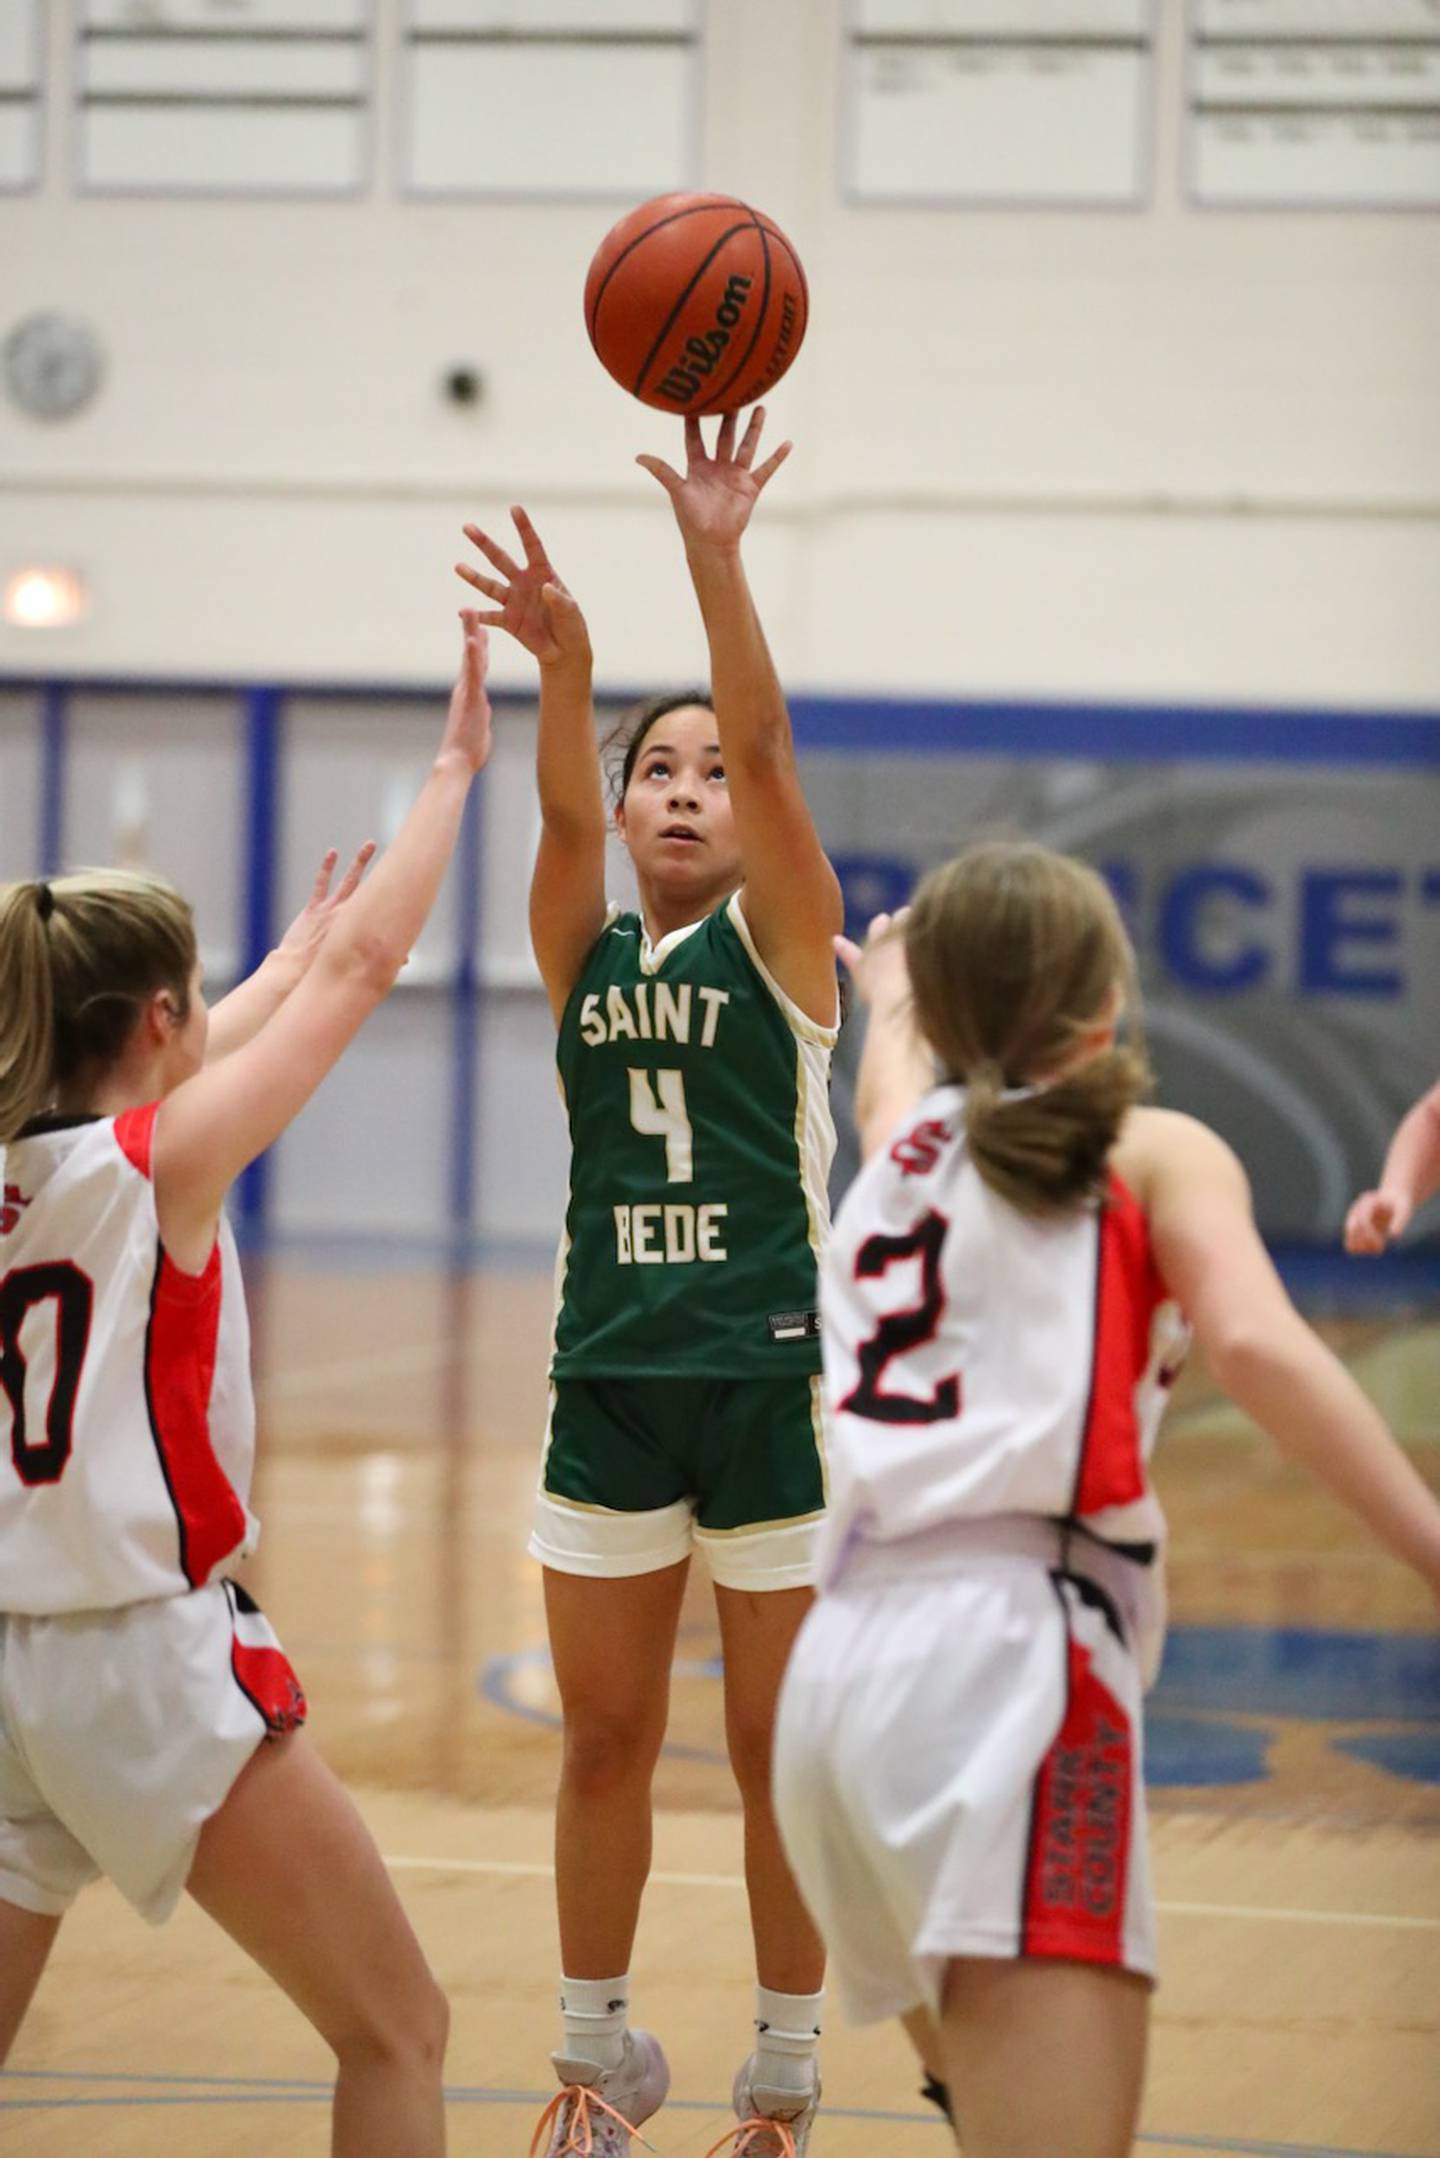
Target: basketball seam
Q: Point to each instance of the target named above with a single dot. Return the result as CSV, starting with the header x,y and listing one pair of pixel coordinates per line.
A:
x,y
775,234
711,202
669,323
744,360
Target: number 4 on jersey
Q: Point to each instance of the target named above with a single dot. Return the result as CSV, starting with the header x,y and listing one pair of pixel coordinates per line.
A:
x,y
656,1233
661,1115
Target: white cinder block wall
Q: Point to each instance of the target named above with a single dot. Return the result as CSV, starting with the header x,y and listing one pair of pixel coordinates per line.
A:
x,y
1153,453
1136,452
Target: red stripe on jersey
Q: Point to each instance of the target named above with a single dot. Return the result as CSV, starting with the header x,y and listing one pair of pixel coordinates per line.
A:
x,y
1128,1292
265,1678
1080,1828
135,1135
179,1372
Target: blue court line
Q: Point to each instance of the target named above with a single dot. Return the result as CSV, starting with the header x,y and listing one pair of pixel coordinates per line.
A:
x,y
254,2090
148,2075
182,2098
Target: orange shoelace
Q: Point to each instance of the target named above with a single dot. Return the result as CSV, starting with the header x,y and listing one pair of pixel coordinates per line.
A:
x,y
581,2122
747,2137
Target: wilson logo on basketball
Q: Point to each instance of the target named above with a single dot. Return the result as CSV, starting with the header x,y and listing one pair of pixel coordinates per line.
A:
x,y
696,303
702,354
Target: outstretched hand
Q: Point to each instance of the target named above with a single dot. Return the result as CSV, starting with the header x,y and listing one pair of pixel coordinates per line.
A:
x,y
713,500
303,939
531,603
877,967
1376,1219
467,726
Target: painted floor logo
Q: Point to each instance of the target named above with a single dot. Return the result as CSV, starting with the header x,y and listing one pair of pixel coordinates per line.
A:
x,y
1377,1694
1227,1696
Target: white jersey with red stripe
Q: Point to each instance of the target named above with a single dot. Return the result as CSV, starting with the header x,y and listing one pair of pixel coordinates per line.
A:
x,y
980,1361
127,1421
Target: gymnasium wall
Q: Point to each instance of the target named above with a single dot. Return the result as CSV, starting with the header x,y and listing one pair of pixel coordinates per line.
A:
x,y
1101,521
1145,452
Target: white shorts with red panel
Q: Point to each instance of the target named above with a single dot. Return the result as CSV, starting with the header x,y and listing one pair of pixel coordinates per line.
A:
x,y
121,1732
958,1770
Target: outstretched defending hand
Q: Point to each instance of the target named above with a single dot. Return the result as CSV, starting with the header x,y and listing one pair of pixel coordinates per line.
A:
x,y
712,503
467,728
303,939
878,967
1376,1219
531,603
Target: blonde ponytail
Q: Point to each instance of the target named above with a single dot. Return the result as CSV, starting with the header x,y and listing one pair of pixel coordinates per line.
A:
x,y
1016,956
27,1010
1045,1148
78,957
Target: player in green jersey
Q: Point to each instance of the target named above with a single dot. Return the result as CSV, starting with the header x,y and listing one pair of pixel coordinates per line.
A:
x,y
694,1047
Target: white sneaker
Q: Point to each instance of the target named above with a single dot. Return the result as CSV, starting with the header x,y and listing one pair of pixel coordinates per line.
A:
x,y
597,2114
772,2123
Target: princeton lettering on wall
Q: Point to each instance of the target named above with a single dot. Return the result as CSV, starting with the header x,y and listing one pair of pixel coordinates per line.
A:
x,y
1286,919
1220,928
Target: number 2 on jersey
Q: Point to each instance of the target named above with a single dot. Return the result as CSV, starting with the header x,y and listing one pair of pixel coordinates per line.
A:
x,y
661,1115
42,1461
900,1331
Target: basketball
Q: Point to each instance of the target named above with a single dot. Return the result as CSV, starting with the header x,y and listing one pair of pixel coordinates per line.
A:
x,y
696,303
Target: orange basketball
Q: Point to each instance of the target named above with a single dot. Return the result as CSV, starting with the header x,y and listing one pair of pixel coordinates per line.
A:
x,y
696,303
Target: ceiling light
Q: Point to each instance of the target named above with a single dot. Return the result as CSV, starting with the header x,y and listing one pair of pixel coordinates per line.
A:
x,y
41,596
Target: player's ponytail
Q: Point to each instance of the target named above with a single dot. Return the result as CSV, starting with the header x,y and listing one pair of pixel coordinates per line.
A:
x,y
79,955
27,1026
1016,956
1048,1147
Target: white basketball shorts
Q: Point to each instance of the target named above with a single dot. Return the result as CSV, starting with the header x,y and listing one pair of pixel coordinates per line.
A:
x,y
958,1773
121,1732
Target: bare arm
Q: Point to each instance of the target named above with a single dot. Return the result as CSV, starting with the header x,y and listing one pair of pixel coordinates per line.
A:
x,y
567,885
1264,1355
238,1018
1411,1175
792,896
896,1063
210,1128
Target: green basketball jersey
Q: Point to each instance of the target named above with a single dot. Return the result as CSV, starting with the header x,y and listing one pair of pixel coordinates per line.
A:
x,y
701,1142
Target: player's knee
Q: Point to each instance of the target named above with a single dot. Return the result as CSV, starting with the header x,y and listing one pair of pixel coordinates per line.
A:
x,y
409,2028
605,1751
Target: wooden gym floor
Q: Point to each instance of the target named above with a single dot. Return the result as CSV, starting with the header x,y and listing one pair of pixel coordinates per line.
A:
x,y
1295,1758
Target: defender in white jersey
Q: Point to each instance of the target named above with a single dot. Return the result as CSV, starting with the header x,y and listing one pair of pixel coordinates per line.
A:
x,y
138,1683
958,1763
135,1483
